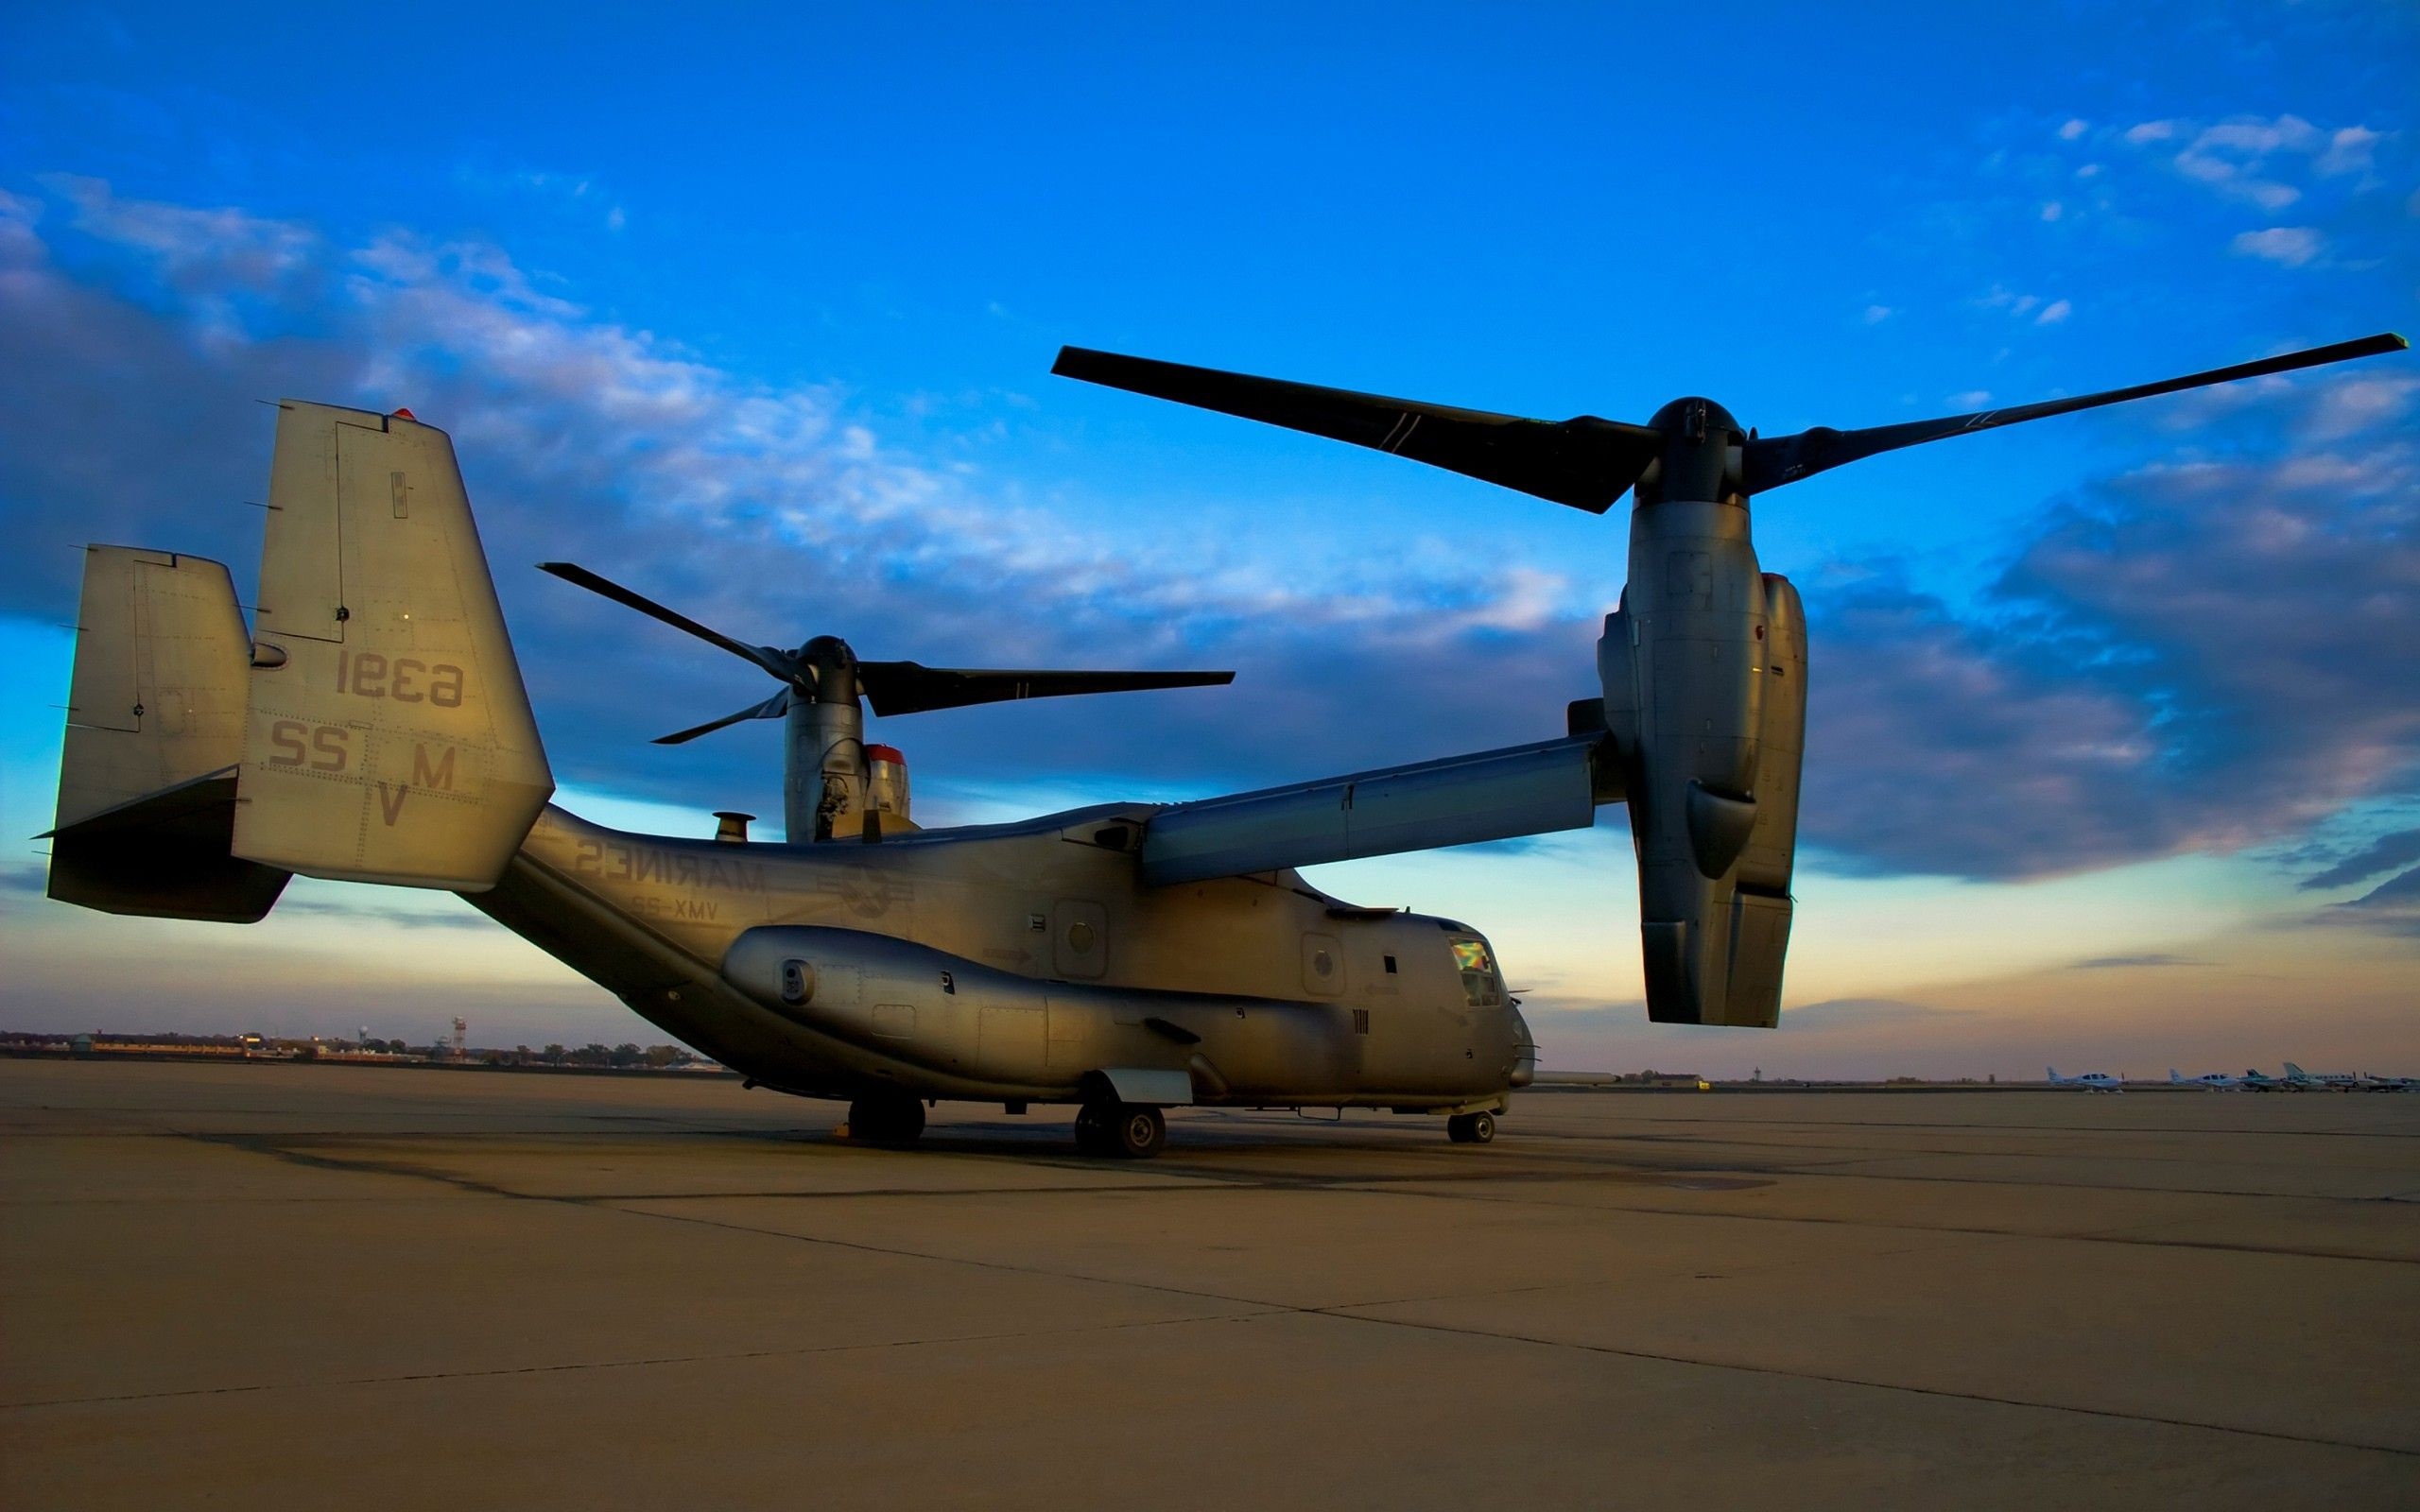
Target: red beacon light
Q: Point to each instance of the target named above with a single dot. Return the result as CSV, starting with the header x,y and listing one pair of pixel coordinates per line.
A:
x,y
406,414
886,780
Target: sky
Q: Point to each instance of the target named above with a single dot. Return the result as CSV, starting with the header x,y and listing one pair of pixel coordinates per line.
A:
x,y
2113,755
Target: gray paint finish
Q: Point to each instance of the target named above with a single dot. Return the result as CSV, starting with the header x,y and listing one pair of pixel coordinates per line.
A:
x,y
1495,794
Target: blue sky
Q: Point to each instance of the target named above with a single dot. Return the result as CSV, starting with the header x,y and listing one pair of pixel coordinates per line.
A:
x,y
757,316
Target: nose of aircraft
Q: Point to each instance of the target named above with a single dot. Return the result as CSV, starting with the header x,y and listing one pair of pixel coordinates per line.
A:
x,y
1525,1053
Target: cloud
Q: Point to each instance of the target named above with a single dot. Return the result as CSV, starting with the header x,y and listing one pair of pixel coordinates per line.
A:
x,y
2199,656
2106,963
1557,1019
1877,314
2232,156
2393,907
1837,1013
2385,854
2073,128
2399,892
2287,245
132,363
579,196
203,247
2256,159
2044,311
2360,405
2349,151
405,918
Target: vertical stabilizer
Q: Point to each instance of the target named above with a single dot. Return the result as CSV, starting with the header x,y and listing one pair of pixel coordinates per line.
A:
x,y
157,697
155,727
389,737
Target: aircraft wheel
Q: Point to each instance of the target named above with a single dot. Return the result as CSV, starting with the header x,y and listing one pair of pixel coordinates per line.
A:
x,y
1091,1125
892,1120
1471,1128
1135,1132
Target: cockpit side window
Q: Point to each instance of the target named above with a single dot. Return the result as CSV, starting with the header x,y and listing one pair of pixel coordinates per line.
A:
x,y
1481,986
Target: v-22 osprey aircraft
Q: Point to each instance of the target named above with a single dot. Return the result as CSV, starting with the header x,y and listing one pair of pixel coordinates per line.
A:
x,y
371,725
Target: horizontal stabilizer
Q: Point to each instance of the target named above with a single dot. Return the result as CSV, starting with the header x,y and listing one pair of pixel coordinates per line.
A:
x,y
165,856
1495,794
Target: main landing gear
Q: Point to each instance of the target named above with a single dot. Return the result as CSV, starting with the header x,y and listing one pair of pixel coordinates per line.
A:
x,y
1471,1128
886,1118
1131,1131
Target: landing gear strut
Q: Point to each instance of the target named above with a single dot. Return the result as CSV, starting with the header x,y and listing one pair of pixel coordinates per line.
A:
x,y
1131,1131
1471,1128
886,1118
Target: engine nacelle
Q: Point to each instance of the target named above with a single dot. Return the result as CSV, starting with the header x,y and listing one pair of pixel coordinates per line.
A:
x,y
1704,670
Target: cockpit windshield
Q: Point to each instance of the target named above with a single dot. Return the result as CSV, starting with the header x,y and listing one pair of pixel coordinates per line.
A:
x,y
1481,986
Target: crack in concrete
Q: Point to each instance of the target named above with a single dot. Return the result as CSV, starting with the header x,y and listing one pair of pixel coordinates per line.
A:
x,y
1199,1180
1944,1392
281,1147
636,1363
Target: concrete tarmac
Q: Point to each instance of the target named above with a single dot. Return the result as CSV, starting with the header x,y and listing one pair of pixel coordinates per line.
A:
x,y
293,1285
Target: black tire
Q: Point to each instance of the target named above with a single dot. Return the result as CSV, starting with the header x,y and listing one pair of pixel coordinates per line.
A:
x,y
1471,1128
1089,1125
894,1120
1134,1131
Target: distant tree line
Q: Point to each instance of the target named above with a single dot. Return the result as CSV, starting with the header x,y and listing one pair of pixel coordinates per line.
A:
x,y
623,1057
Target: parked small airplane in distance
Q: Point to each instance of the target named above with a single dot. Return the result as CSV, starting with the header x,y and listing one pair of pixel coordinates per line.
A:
x,y
2216,1081
2373,1082
2091,1081
2255,1082
2333,1081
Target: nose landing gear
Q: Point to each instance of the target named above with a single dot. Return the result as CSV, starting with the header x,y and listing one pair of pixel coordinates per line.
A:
x,y
1131,1131
1471,1128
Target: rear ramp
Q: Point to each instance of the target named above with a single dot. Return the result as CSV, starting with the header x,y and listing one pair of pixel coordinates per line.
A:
x,y
389,737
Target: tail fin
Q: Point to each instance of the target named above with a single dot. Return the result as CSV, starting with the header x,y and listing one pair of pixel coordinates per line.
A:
x,y
2293,1070
2051,1072
2172,1078
390,738
155,728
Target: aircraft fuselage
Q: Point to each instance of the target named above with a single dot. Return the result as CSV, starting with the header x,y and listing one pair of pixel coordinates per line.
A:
x,y
1021,962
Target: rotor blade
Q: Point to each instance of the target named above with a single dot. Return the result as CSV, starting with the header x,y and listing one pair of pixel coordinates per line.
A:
x,y
1585,462
767,657
772,708
1778,460
911,687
